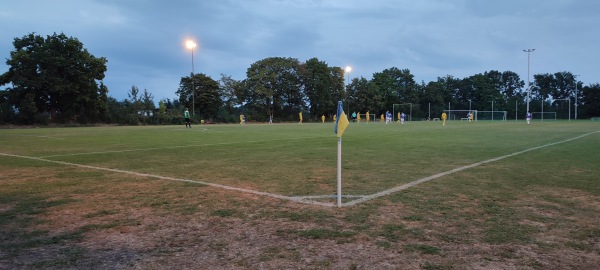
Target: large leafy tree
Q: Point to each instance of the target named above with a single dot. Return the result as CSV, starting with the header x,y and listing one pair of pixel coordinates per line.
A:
x,y
55,75
591,101
201,91
364,96
323,86
274,87
395,86
231,91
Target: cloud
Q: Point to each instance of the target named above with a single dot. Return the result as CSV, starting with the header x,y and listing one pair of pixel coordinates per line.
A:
x,y
143,40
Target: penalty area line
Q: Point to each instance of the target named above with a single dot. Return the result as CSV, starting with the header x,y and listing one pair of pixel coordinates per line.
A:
x,y
243,190
442,174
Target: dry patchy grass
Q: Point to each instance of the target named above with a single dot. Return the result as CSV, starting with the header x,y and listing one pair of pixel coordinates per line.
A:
x,y
70,218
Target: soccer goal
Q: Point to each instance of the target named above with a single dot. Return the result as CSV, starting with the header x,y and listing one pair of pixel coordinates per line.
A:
x,y
492,115
405,108
462,115
543,116
363,117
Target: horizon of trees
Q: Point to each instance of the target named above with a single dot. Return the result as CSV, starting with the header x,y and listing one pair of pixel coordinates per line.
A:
x,y
55,79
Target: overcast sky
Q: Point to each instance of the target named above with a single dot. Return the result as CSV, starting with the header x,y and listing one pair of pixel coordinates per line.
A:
x,y
144,40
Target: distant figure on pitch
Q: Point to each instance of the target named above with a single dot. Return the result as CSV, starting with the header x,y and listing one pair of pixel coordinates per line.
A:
x,y
368,118
358,117
471,117
300,115
388,117
382,118
334,118
354,117
402,116
186,117
242,119
271,119
444,119
398,117
323,119
528,117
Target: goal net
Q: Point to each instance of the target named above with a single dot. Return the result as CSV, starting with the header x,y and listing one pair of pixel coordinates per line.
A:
x,y
398,109
543,116
363,117
462,115
492,115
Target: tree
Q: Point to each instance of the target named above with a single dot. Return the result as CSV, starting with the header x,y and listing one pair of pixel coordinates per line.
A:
x,y
205,95
274,87
148,100
321,86
231,92
364,96
55,75
395,86
136,99
591,101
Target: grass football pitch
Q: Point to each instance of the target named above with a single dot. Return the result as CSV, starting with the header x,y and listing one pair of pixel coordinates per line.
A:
x,y
497,180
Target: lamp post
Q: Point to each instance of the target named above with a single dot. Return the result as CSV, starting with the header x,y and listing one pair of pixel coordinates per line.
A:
x,y
528,51
192,45
348,69
492,110
576,94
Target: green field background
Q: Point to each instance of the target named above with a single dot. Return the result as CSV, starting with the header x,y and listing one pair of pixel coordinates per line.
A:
x,y
298,160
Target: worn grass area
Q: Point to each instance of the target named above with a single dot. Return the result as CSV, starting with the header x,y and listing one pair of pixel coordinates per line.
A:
x,y
538,210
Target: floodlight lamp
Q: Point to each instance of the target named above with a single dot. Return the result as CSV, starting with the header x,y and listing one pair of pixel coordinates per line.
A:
x,y
190,44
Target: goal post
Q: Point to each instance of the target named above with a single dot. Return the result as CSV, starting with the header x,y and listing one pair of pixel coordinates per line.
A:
x,y
461,115
405,108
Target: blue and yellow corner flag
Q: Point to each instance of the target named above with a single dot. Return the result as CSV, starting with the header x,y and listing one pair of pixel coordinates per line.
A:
x,y
341,121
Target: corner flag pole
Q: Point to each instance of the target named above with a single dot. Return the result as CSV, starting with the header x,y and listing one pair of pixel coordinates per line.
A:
x,y
341,123
339,173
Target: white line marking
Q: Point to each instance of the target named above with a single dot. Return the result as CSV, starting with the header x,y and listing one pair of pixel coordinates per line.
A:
x,y
278,196
432,177
305,199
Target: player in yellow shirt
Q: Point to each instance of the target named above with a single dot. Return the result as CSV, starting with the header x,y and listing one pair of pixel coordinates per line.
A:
x,y
334,117
358,117
323,119
471,117
300,115
368,118
382,118
444,119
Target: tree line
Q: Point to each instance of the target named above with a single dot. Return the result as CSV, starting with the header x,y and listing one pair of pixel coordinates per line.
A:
x,y
54,79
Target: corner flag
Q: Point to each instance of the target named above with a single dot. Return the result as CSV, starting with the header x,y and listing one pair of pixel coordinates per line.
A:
x,y
341,121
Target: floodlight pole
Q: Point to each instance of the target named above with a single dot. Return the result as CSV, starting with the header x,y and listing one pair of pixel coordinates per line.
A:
x,y
528,51
347,70
576,94
191,45
492,110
